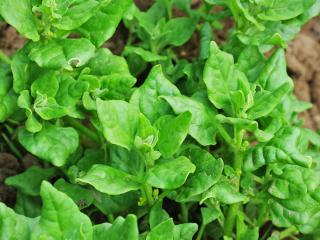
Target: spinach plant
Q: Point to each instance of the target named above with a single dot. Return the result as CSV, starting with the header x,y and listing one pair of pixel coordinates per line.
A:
x,y
204,148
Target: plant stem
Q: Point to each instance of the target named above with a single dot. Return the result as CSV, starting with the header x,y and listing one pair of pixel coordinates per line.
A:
x,y
225,135
110,218
147,192
184,212
86,131
288,232
237,165
201,231
12,146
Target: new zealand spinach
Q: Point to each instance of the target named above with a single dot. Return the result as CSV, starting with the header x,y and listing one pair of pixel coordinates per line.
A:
x,y
148,145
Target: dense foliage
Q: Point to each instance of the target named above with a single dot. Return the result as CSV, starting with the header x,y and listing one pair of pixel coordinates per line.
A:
x,y
208,147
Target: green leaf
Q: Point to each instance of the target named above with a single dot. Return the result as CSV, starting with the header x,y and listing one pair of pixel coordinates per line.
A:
x,y
203,123
250,234
19,14
208,215
62,53
206,36
91,157
224,193
28,206
146,136
112,75
14,226
103,24
147,56
116,204
274,73
121,229
208,172
283,10
131,161
252,126
266,102
163,231
76,14
157,215
60,217
172,132
221,79
53,144
69,94
47,83
109,180
184,231
23,69
185,26
146,98
30,180
170,174
81,196
8,99
119,121
48,108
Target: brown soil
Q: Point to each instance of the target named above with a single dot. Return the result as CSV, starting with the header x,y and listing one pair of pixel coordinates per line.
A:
x,y
10,40
9,166
303,57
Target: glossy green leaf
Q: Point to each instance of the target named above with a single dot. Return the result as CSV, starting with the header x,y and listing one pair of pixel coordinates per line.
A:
x,y
163,231
22,68
144,54
266,102
53,144
60,217
47,83
81,196
103,24
146,98
28,206
224,193
183,25
14,226
62,53
208,172
19,14
75,14
219,77
203,123
283,10
172,132
119,121
109,180
157,215
121,229
184,231
30,180
170,174
274,73
208,215
116,204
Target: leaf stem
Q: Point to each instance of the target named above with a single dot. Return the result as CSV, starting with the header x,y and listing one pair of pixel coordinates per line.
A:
x,y
184,212
12,146
86,131
225,135
237,165
147,192
288,232
110,218
201,231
